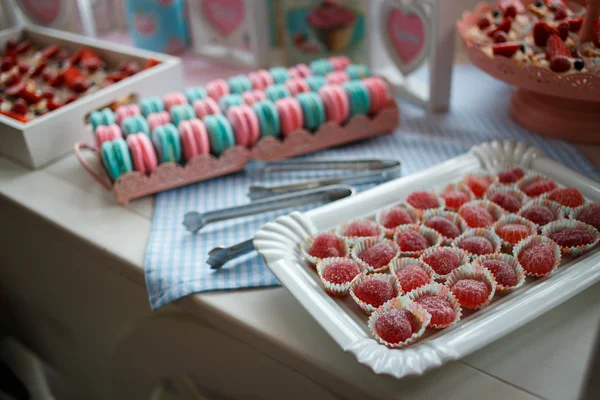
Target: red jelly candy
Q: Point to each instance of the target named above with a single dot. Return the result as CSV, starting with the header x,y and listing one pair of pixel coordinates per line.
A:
x,y
444,226
538,214
539,187
506,201
455,198
571,237
375,291
326,245
410,240
396,326
442,313
340,271
361,229
396,217
511,175
569,197
443,260
422,200
513,233
471,293
504,274
412,277
478,184
477,245
537,258
476,216
591,216
379,255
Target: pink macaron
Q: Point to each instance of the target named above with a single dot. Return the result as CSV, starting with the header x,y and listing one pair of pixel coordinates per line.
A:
x,y
245,124
158,119
296,86
107,133
339,63
194,138
260,79
126,111
174,99
378,92
253,96
299,71
337,77
217,88
337,107
207,106
142,152
290,115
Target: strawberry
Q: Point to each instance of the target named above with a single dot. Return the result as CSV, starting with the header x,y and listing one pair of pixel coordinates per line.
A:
x,y
597,32
560,13
506,49
50,51
483,23
500,37
516,4
556,47
503,26
563,30
575,24
541,33
560,64
510,12
15,89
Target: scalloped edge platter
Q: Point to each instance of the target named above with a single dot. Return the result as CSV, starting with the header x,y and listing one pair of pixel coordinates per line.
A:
x,y
278,244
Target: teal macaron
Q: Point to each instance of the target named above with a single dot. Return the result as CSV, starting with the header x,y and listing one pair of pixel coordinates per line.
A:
x,y
279,74
102,117
277,92
321,67
239,84
358,96
315,82
116,158
166,142
151,105
268,118
195,93
220,133
182,112
313,110
358,71
135,124
230,100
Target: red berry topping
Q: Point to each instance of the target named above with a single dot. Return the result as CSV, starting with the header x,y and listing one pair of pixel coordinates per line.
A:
x,y
340,271
48,94
504,274
395,326
471,293
500,37
569,197
541,33
11,44
476,245
510,11
7,64
555,47
375,291
326,245
591,216
443,260
444,226
575,24
537,258
505,49
12,79
538,187
511,175
483,23
15,89
379,255
478,184
572,237
538,214
422,200
50,51
23,68
442,313
513,233
19,107
63,54
476,216
563,30
503,26
412,277
23,47
506,201
455,198
560,13
410,240
560,64
361,229
396,217
80,85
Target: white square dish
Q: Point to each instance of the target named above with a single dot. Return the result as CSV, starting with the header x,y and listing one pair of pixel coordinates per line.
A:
x,y
278,243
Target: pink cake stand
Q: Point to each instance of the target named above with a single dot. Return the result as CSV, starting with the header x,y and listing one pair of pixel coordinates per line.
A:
x,y
562,106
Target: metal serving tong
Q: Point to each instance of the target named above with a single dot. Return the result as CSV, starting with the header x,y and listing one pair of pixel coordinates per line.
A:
x,y
371,171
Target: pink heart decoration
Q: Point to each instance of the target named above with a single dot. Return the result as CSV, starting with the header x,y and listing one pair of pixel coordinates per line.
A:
x,y
43,12
224,15
407,32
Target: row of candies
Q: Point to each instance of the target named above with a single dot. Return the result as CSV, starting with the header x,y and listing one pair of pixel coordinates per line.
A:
x,y
35,81
422,261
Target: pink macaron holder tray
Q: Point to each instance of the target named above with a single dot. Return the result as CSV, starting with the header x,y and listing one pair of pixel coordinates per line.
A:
x,y
560,105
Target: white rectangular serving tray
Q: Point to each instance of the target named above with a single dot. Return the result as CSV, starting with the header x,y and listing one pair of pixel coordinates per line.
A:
x,y
278,243
50,136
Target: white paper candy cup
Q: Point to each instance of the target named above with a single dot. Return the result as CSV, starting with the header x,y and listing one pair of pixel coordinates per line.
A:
x,y
463,258
458,187
494,209
530,177
486,233
334,289
450,216
389,232
367,244
573,251
352,240
553,206
509,219
511,190
489,177
305,246
400,303
510,260
401,263
524,244
568,210
471,271
368,308
576,213
442,291
432,237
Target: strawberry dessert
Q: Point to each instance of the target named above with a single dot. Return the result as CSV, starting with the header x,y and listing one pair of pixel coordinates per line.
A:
x,y
538,214
591,216
340,271
326,245
442,312
410,240
506,200
361,229
476,216
478,184
538,258
513,233
504,274
537,187
378,255
444,226
412,277
423,200
510,175
395,217
454,199
374,292
568,197
572,237
478,245
396,325
471,293
443,260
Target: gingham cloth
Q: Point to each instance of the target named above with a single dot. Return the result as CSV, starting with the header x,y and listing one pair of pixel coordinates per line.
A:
x,y
175,262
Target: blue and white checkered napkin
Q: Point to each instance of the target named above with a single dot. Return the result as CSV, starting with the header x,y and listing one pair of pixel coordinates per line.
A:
x,y
176,260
